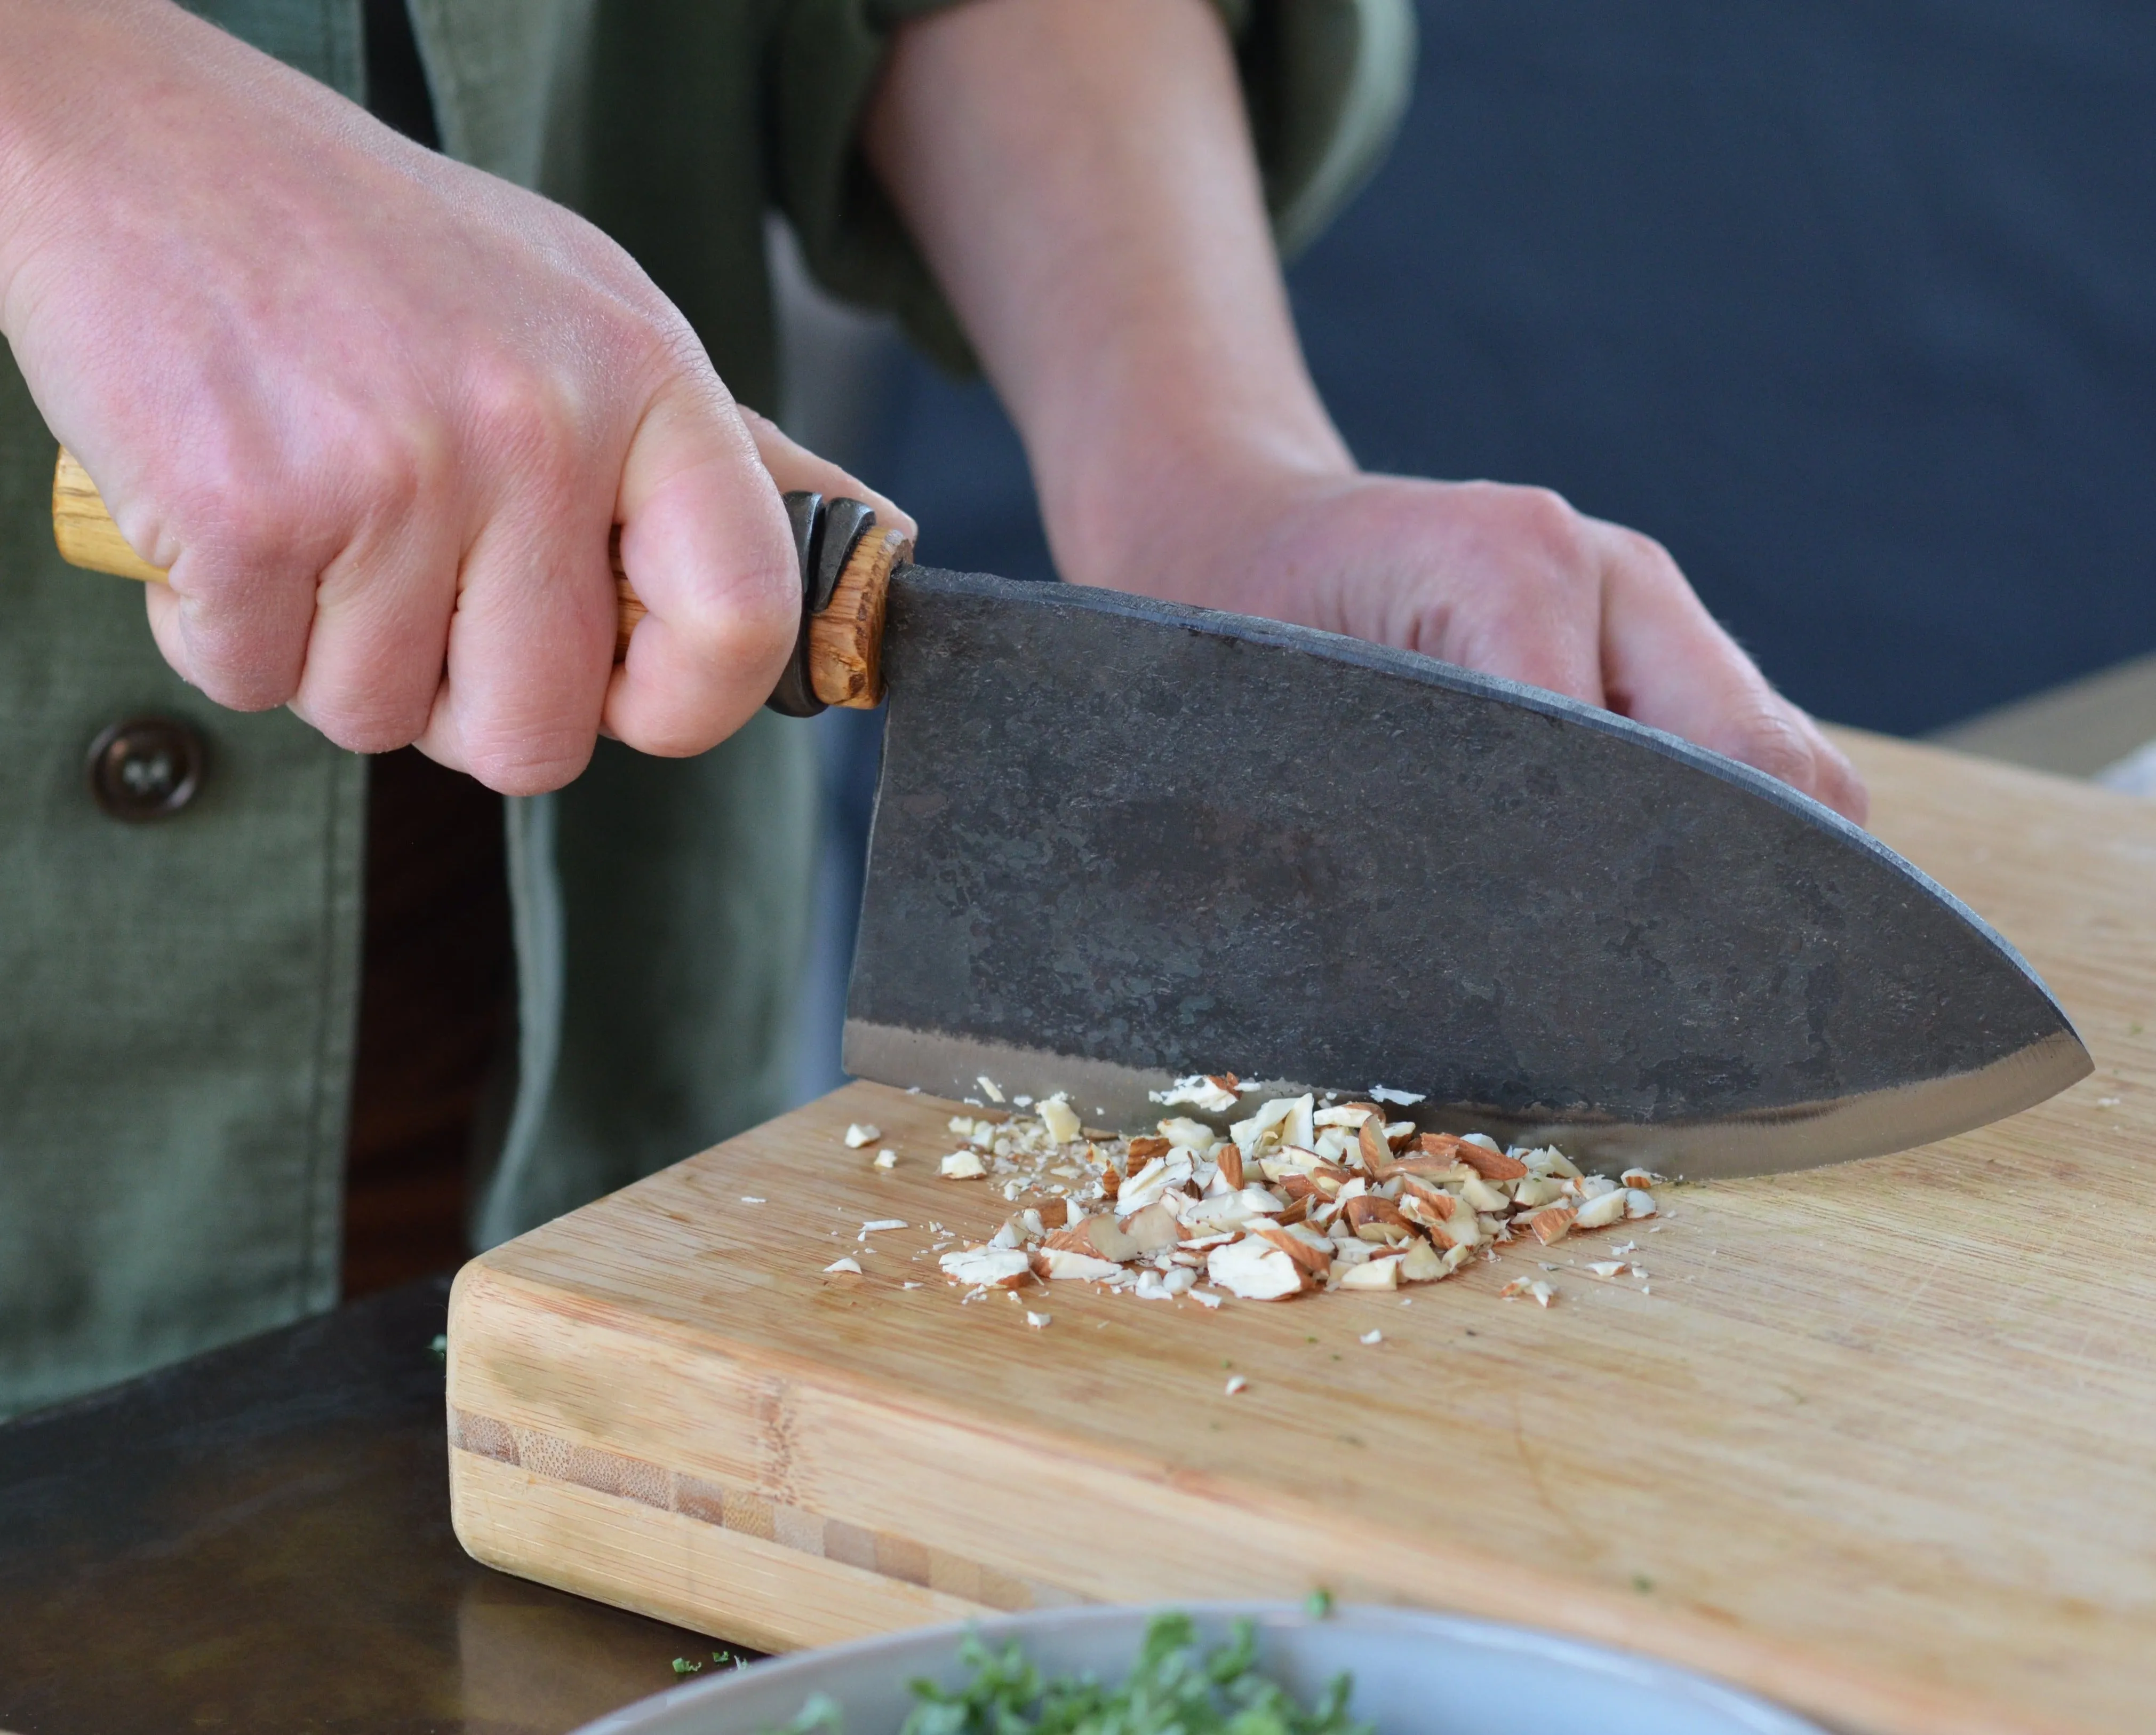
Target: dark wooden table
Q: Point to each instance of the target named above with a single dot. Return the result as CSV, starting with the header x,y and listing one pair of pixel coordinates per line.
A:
x,y
259,1540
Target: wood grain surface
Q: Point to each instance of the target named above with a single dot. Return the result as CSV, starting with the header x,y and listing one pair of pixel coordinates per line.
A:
x,y
1877,1441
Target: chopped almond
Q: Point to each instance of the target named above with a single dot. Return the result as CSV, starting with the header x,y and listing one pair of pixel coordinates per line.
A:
x,y
1151,1229
1061,1120
988,1267
1366,1212
1054,1264
1434,1197
1490,1165
1313,1260
1355,1201
1255,1270
1099,1237
1534,1288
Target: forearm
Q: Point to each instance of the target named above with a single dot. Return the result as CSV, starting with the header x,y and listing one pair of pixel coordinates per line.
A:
x,y
1079,174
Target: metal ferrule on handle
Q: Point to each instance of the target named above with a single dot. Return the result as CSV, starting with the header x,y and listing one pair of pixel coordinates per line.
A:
x,y
846,562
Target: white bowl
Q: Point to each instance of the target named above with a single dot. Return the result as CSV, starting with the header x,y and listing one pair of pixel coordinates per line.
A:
x,y
1415,1673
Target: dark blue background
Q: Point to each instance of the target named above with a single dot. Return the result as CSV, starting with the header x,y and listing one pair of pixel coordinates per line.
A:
x,y
1852,305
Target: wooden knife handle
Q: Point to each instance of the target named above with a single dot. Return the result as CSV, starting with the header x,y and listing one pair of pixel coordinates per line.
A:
x,y
845,641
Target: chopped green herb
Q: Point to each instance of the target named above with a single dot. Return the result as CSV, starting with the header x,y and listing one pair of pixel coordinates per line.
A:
x,y
682,1665
1642,1583
1171,1690
1318,1604
730,1659
440,1348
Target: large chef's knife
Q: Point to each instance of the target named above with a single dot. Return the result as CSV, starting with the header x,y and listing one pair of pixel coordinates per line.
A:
x,y
1118,841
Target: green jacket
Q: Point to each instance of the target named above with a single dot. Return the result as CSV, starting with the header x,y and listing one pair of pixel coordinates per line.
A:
x,y
178,998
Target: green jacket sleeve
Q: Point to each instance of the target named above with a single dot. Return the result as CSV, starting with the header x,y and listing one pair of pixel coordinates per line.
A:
x,y
1325,82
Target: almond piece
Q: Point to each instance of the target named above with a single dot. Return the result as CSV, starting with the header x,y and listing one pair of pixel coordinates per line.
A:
x,y
1422,1263
1642,1179
988,1267
1485,1197
1191,1135
1419,1212
861,1132
1213,1093
1534,1288
1230,1158
1060,1119
1434,1197
1255,1270
1366,1212
1373,1274
1551,1223
1099,1237
1057,1264
1490,1165
962,1166
1462,1229
1151,1229
1600,1211
1370,1142
1314,1260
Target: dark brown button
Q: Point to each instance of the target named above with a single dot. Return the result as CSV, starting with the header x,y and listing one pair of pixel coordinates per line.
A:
x,y
146,767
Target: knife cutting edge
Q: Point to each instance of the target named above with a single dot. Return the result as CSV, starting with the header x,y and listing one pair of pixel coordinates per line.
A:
x,y
1117,841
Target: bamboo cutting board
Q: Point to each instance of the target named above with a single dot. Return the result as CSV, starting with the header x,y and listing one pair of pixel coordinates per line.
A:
x,y
1877,1440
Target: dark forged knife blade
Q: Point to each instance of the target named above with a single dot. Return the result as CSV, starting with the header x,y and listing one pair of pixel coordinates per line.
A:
x,y
1118,841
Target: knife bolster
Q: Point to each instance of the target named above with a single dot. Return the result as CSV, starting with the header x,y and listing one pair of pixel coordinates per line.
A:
x,y
845,640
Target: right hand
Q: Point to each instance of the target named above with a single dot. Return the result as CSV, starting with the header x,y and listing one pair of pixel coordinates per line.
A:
x,y
377,413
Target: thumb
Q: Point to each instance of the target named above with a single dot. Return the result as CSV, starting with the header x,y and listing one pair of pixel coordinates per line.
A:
x,y
706,544
797,470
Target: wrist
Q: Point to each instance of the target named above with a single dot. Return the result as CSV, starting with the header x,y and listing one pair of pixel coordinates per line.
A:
x,y
1133,503
56,92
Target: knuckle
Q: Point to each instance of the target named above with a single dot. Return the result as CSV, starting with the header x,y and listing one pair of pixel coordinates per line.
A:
x,y
391,468
1769,740
1644,552
525,416
368,723
536,766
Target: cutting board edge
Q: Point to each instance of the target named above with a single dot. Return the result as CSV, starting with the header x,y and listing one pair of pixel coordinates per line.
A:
x,y
584,1518
762,1595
